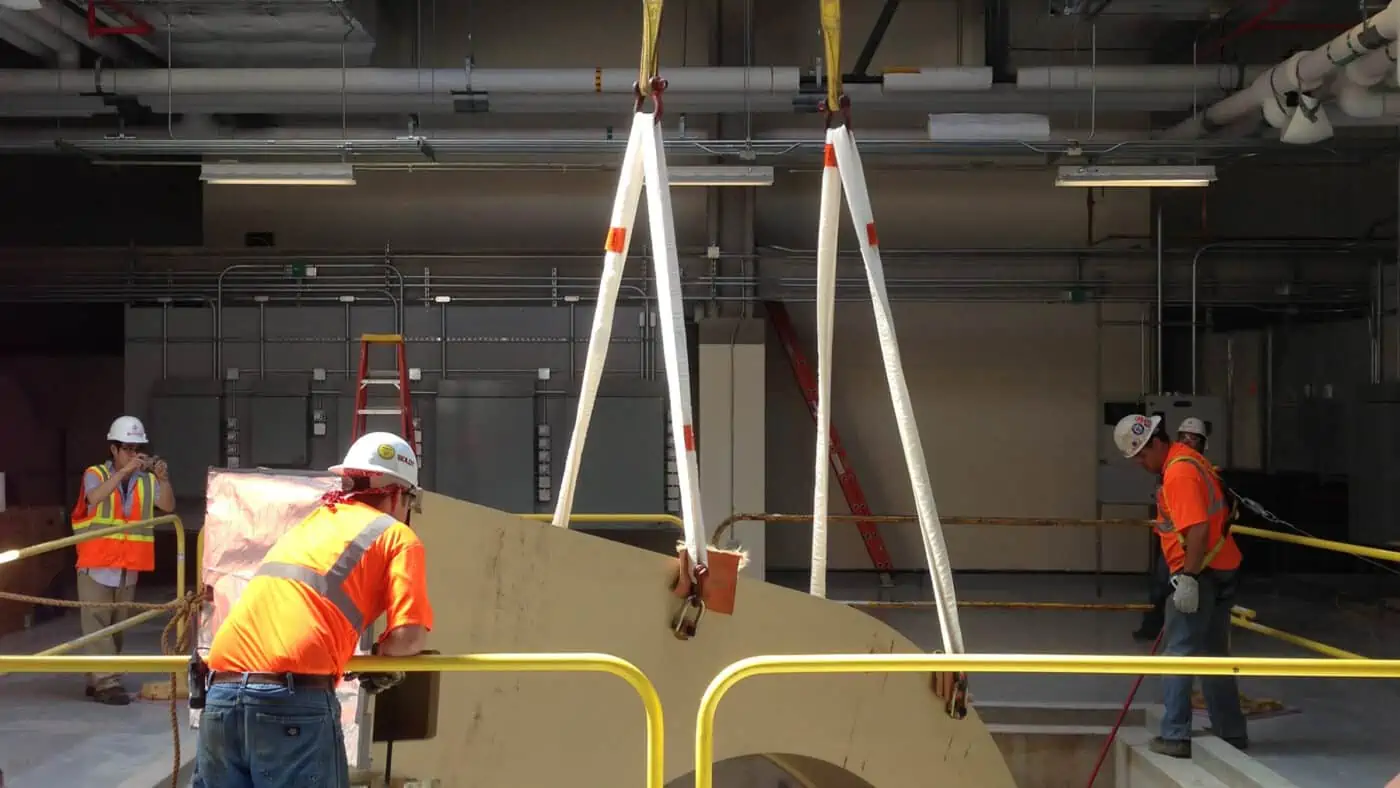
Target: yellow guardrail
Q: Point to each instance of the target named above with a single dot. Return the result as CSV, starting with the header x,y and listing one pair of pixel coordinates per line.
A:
x,y
1361,551
1008,663
87,534
582,662
640,519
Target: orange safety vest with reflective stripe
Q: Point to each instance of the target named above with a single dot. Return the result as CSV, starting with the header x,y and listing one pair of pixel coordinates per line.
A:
x,y
1221,512
134,550
316,591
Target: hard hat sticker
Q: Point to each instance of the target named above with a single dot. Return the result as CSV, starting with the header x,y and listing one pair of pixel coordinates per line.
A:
x,y
386,452
1139,428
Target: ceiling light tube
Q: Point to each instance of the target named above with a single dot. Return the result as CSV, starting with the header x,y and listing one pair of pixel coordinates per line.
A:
x,y
721,176
288,174
1166,176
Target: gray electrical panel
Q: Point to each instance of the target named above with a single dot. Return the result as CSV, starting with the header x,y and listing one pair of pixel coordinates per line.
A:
x,y
1173,408
624,461
1374,484
278,414
184,426
485,442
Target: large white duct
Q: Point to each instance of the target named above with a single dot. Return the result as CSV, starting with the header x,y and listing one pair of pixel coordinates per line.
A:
x,y
1372,68
363,81
1213,76
1358,101
1304,72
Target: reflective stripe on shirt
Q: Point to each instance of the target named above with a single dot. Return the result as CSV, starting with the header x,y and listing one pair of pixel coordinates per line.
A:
x,y
331,585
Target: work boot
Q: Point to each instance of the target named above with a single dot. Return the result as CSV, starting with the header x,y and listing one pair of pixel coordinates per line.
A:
x,y
1145,633
1172,748
112,696
1240,743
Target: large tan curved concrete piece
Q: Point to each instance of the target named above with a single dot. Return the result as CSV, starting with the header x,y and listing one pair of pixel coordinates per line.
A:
x,y
500,584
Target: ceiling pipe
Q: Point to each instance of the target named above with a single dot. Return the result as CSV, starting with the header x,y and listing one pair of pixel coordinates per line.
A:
x,y
23,42
369,81
1302,73
63,50
937,78
777,80
1185,77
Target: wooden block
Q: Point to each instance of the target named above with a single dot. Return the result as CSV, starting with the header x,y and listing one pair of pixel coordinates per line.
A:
x,y
160,690
504,584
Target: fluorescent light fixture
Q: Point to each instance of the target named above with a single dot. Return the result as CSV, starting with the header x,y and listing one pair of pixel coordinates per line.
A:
x,y
289,174
721,176
1168,176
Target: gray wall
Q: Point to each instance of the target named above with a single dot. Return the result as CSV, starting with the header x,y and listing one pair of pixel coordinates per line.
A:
x,y
510,384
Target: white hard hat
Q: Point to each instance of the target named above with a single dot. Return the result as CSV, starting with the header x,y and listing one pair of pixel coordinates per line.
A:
x,y
382,456
1194,426
1133,432
127,429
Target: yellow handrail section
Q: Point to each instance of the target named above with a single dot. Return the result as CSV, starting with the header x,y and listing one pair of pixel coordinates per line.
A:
x,y
581,662
1008,663
641,519
1361,551
98,533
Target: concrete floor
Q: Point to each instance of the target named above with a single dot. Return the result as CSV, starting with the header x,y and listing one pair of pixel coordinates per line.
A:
x,y
52,735
1343,735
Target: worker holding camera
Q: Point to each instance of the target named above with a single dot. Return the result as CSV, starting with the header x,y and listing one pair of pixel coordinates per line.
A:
x,y
129,487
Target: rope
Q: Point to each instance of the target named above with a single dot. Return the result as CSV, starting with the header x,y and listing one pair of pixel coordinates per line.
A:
x,y
182,610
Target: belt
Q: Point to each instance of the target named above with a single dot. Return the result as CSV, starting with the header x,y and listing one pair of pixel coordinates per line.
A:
x,y
295,680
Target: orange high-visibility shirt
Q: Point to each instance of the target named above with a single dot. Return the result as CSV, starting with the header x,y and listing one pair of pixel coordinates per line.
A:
x,y
1189,497
319,588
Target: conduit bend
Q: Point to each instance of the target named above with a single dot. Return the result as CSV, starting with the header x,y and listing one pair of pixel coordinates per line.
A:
x,y
1305,71
1373,67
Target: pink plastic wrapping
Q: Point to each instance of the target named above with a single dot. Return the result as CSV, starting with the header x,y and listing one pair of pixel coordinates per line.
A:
x,y
247,511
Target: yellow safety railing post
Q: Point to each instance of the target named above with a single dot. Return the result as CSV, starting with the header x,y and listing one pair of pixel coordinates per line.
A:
x,y
1009,663
131,621
581,662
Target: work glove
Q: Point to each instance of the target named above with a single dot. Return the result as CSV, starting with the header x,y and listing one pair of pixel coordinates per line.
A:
x,y
1187,594
375,683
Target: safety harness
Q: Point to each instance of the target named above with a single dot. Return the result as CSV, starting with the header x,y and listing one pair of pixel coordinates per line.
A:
x,y
1219,498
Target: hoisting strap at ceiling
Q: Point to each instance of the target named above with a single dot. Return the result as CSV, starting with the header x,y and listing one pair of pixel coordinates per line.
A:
x,y
836,100
651,33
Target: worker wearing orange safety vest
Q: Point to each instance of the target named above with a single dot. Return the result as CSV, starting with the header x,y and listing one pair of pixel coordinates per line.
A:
x,y
129,487
1194,510
271,718
1191,432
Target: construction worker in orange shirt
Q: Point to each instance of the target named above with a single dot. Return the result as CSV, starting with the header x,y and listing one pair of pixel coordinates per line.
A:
x,y
1192,432
1194,510
270,715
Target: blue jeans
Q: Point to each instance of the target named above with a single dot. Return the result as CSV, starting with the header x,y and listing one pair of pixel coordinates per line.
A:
x,y
270,736
1204,633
